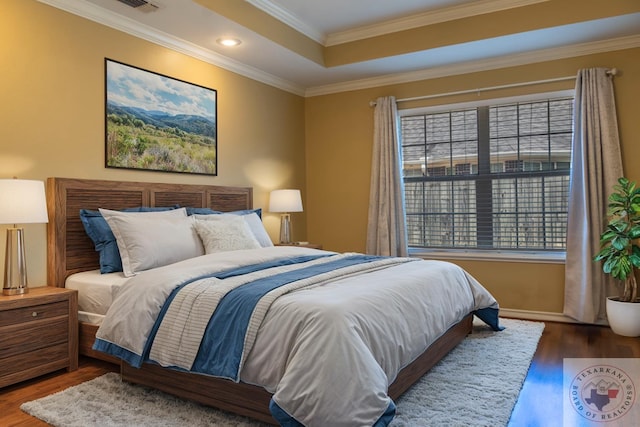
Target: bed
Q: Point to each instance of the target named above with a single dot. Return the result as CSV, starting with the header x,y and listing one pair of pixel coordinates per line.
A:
x,y
71,252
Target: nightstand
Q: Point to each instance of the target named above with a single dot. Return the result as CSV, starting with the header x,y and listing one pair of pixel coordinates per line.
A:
x,y
301,244
38,333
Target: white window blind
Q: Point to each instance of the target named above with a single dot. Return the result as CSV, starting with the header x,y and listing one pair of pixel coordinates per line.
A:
x,y
489,177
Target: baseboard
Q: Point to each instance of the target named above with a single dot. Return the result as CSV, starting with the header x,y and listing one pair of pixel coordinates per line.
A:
x,y
543,316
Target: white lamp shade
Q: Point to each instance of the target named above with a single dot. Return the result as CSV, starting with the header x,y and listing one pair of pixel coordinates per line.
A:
x,y
285,201
22,201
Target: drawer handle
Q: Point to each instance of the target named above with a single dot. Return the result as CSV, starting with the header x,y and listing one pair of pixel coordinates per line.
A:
x,y
34,314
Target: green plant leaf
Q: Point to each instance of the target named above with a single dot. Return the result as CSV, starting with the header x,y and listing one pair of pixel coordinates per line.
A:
x,y
607,236
608,265
604,253
617,199
618,226
620,242
635,260
618,252
625,268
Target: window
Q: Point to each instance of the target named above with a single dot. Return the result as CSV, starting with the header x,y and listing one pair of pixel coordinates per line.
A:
x,y
488,177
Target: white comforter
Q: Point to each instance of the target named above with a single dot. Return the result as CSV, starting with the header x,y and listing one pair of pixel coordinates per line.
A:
x,y
327,353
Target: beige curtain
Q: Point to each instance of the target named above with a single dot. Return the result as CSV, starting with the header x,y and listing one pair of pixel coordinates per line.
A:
x,y
386,228
596,165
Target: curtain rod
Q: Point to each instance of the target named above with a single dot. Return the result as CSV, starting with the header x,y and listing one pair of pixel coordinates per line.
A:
x,y
610,72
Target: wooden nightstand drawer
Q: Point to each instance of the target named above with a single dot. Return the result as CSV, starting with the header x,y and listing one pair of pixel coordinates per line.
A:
x,y
32,313
28,365
19,339
38,333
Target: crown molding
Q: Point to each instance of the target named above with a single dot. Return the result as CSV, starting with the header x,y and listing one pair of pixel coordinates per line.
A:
x,y
436,16
97,14
523,58
386,27
289,19
110,19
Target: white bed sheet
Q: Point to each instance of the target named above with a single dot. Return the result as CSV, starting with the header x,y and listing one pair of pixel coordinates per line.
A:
x,y
95,293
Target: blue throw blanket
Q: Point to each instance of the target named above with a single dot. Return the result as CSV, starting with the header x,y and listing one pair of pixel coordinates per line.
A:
x,y
137,360
223,342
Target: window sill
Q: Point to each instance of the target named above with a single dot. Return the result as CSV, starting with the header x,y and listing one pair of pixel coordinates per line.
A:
x,y
498,256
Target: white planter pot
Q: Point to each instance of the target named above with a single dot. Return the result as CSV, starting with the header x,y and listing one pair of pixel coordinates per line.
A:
x,y
624,317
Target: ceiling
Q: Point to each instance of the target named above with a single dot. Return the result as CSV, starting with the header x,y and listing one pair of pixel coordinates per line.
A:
x,y
324,46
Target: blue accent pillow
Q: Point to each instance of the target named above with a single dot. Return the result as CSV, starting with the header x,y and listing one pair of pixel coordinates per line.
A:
x,y
103,239
202,211
207,211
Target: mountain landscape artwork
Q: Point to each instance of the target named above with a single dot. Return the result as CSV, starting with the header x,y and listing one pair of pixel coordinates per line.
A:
x,y
158,123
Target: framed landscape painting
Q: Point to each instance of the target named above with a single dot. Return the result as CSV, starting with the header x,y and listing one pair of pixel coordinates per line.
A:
x,y
158,123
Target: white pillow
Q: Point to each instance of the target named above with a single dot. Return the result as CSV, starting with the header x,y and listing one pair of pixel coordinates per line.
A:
x,y
257,227
254,222
153,239
225,233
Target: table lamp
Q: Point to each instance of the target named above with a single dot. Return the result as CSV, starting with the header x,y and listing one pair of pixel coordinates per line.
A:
x,y
285,201
21,202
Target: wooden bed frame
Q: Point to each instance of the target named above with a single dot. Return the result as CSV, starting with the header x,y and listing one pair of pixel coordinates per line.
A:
x,y
70,251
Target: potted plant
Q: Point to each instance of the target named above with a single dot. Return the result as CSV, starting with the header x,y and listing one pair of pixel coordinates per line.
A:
x,y
620,256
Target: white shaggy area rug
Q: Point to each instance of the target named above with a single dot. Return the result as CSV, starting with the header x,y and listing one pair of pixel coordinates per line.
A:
x,y
477,384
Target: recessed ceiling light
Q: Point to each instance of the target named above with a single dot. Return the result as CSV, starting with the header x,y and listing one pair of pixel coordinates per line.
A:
x,y
228,41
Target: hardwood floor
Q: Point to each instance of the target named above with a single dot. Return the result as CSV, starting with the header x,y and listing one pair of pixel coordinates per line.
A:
x,y
540,402
541,398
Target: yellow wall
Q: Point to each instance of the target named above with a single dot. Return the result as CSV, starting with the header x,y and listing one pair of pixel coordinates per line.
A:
x,y
339,132
52,113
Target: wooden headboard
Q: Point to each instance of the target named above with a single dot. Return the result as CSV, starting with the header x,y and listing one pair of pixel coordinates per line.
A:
x,y
69,249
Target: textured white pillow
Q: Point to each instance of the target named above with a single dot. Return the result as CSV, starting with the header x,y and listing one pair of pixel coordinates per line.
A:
x,y
153,239
225,233
252,219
